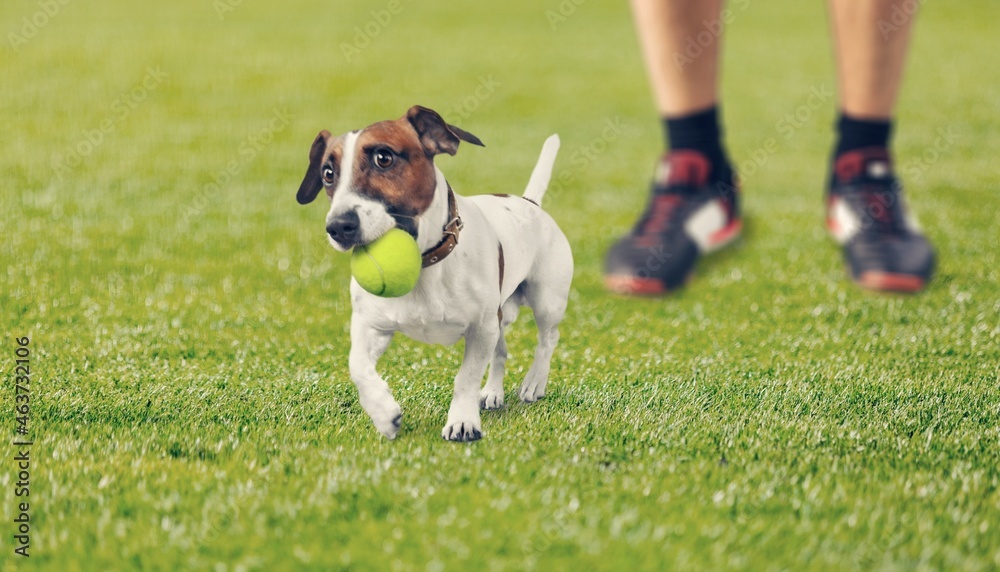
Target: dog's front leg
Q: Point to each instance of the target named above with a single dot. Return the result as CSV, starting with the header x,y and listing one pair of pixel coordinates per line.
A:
x,y
367,346
463,417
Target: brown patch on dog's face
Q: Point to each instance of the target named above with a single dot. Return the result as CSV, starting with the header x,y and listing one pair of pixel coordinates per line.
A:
x,y
329,169
390,166
383,175
392,160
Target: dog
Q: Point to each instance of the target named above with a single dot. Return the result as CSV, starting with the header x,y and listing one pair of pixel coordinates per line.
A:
x,y
484,257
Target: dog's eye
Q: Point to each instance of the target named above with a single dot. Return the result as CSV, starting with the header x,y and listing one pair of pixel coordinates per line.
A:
x,y
383,158
328,174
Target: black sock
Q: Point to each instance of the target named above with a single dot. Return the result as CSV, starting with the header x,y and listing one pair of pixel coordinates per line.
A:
x,y
856,134
700,132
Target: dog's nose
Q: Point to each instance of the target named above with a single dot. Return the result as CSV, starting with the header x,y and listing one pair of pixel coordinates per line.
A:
x,y
345,227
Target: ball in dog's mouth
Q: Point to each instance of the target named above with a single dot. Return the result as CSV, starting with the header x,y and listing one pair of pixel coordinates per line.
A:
x,y
389,266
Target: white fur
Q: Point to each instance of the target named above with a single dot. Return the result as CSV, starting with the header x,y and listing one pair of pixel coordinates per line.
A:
x,y
374,220
459,298
542,172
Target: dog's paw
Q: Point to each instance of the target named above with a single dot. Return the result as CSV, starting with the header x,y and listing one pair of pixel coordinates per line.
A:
x,y
462,431
388,418
489,400
532,390
391,429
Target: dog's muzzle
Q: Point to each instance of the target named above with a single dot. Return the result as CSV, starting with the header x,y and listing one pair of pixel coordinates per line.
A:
x,y
345,229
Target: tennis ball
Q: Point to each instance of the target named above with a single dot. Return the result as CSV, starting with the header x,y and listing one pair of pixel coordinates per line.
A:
x,y
388,267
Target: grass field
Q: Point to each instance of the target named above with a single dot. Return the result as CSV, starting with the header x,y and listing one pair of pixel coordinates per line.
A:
x,y
190,402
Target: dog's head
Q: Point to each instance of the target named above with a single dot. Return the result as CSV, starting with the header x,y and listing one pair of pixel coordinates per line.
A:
x,y
379,177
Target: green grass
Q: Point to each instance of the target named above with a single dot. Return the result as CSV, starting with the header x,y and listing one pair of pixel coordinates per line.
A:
x,y
191,402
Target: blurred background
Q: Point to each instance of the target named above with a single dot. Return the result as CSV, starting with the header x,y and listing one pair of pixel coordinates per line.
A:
x,y
178,297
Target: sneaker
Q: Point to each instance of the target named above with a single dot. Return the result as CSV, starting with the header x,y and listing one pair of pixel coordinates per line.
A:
x,y
865,213
688,215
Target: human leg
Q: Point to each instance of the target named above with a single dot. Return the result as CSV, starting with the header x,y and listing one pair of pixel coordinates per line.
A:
x,y
694,206
866,212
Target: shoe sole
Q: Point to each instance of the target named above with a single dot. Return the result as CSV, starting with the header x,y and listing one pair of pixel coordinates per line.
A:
x,y
628,285
890,282
635,286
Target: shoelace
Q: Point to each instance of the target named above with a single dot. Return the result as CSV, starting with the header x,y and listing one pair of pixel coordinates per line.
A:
x,y
880,202
663,211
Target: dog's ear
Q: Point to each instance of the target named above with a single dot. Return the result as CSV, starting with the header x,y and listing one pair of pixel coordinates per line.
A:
x,y
311,183
435,135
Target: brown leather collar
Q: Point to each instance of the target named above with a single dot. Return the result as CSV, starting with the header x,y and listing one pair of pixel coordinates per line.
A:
x,y
450,239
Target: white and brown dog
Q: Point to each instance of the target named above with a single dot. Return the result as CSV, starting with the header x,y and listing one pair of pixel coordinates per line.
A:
x,y
484,257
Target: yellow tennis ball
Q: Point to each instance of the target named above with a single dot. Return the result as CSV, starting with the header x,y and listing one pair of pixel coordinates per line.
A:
x,y
388,267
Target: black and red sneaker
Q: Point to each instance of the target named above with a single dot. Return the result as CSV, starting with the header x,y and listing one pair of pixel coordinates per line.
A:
x,y
865,213
689,214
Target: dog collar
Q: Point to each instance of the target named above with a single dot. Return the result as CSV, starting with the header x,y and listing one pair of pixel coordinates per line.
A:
x,y
450,239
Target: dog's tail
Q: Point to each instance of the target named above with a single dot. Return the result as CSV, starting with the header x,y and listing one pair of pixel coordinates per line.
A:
x,y
540,177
